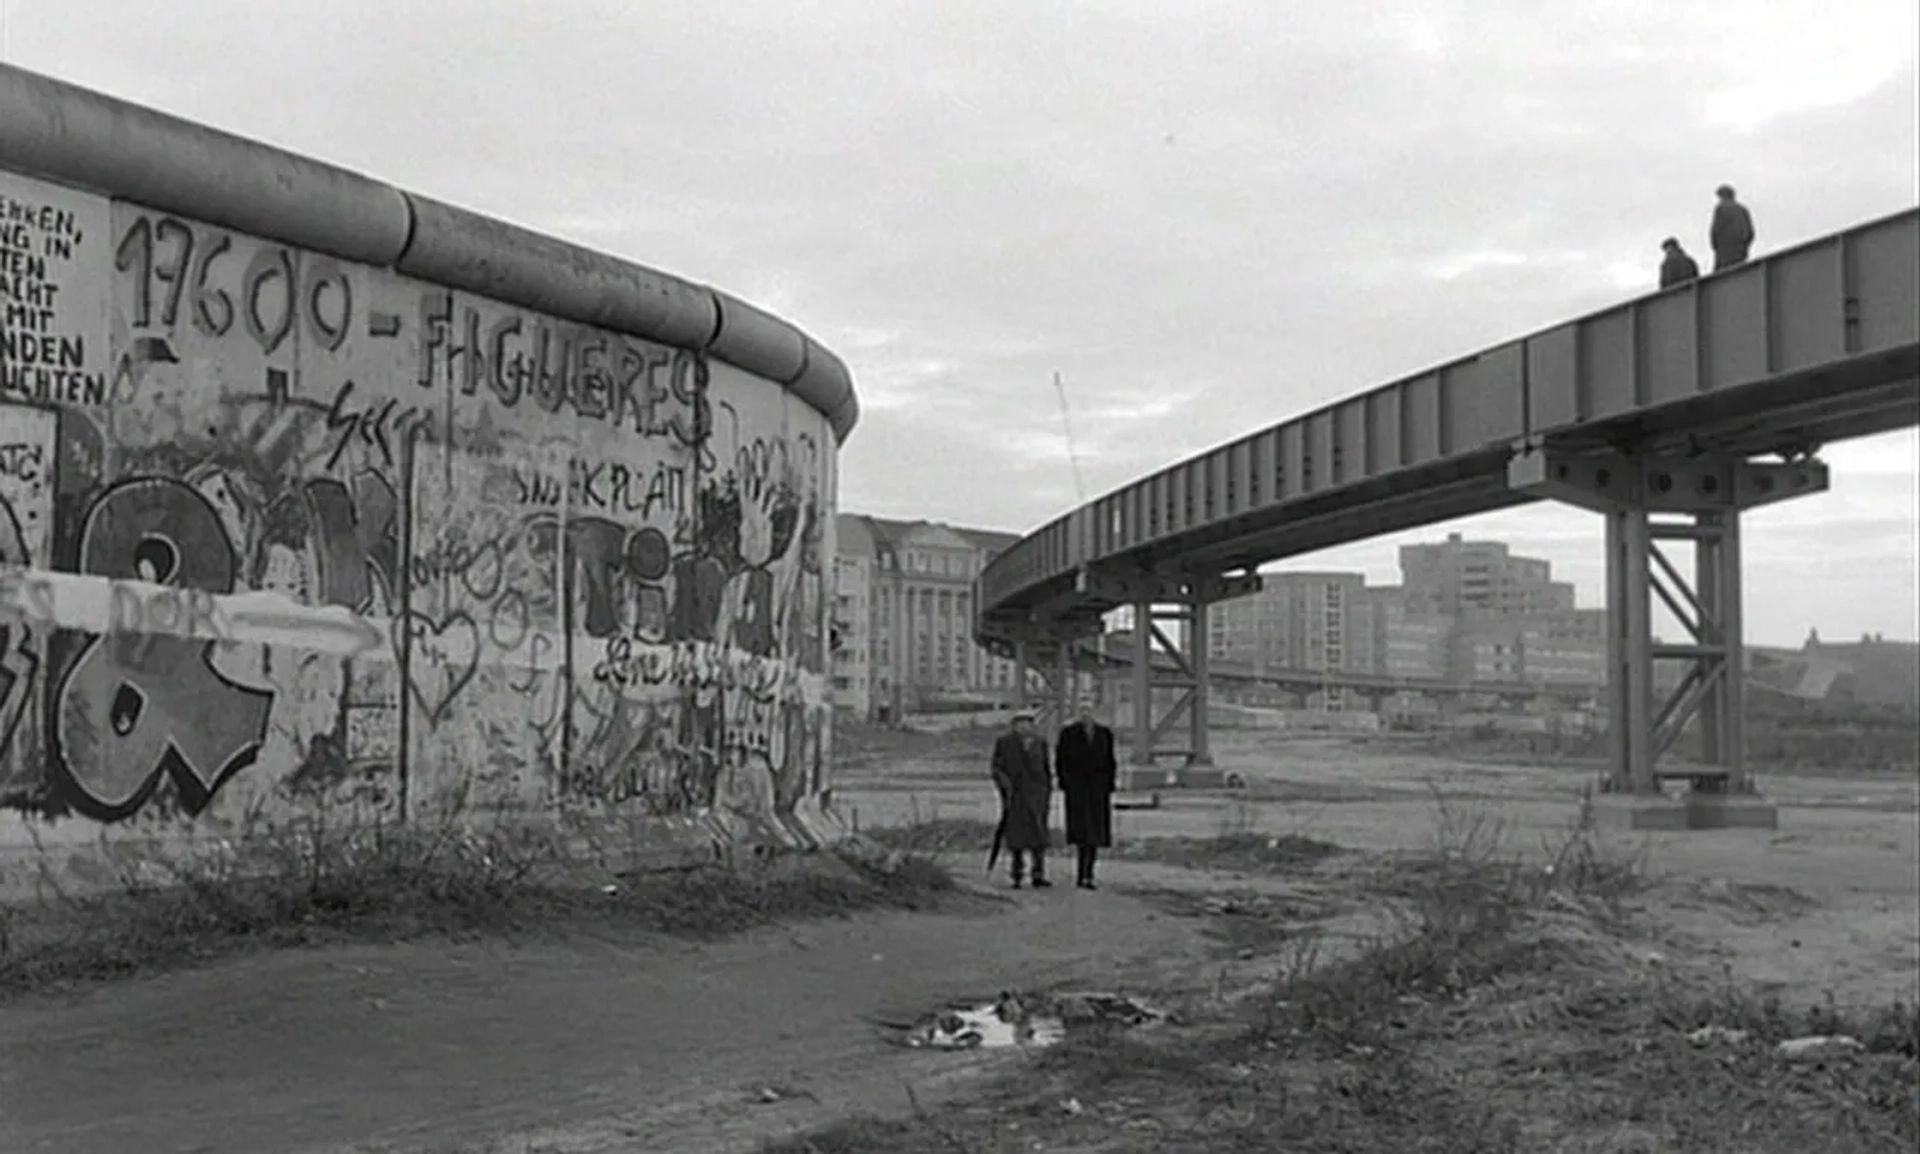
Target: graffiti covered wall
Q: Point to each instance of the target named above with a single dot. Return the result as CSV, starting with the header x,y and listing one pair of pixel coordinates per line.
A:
x,y
279,528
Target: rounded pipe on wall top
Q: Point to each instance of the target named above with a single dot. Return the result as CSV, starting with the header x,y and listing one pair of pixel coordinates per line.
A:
x,y
75,136
466,250
754,339
827,385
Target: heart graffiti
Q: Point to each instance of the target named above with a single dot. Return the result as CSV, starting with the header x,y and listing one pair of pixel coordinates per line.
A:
x,y
443,656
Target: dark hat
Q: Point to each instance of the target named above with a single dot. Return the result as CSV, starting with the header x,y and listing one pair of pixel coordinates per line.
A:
x,y
1670,242
1724,190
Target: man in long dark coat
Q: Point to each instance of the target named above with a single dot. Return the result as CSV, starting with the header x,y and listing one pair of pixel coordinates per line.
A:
x,y
1025,783
1087,771
1731,233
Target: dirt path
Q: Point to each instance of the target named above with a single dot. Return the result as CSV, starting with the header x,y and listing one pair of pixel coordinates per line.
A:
x,y
595,1045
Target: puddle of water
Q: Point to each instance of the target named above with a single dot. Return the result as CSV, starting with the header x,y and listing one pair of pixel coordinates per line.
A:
x,y
984,1028
1008,1021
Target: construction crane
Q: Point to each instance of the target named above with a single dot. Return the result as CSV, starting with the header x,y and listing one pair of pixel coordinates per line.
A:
x,y
1066,425
1080,493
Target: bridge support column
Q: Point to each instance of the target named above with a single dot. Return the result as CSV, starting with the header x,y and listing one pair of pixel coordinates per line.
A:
x,y
1022,662
1063,687
1141,642
1201,753
1186,603
1649,500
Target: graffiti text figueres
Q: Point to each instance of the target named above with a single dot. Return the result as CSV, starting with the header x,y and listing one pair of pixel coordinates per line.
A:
x,y
647,389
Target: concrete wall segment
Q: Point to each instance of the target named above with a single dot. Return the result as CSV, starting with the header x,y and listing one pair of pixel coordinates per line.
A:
x,y
282,528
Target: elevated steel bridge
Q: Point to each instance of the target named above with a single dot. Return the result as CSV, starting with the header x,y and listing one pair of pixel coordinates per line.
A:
x,y
1670,415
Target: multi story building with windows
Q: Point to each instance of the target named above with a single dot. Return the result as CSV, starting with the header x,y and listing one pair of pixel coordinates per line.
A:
x,y
1458,576
853,612
1465,611
1567,648
905,613
1300,621
1408,643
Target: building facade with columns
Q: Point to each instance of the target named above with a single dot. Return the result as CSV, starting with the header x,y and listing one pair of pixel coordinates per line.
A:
x,y
904,611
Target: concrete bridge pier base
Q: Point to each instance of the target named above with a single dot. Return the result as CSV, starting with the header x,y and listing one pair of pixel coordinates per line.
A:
x,y
1650,501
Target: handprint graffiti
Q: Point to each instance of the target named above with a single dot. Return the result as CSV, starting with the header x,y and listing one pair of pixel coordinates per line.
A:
x,y
770,507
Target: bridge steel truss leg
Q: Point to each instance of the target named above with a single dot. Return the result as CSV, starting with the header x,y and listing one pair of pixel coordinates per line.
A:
x,y
1046,656
1189,676
1157,601
1650,501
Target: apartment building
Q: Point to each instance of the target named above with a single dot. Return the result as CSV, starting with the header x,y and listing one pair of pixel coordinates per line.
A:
x,y
853,615
904,606
1465,611
1408,643
1458,576
1313,620
1511,620
1547,649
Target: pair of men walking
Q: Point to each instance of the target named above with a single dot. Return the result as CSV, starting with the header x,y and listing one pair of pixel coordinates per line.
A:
x,y
1084,757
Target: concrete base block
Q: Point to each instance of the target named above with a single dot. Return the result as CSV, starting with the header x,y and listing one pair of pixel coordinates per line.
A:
x,y
1731,811
1202,777
1143,778
1636,812
1686,812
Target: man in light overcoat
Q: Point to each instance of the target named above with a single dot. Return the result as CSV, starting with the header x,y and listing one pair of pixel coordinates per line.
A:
x,y
1025,782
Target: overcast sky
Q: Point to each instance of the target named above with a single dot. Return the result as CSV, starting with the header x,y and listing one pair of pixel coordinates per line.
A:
x,y
1208,216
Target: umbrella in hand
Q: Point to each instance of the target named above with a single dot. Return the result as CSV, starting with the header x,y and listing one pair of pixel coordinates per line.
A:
x,y
999,840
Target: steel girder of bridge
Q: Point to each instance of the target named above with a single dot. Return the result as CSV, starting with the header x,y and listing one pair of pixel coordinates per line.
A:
x,y
1670,415
1120,654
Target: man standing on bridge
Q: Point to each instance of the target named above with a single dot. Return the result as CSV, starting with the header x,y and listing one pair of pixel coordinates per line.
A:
x,y
1676,267
1085,762
1021,775
1731,233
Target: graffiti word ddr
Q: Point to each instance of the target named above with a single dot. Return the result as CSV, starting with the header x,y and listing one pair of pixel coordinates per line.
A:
x,y
96,605
99,605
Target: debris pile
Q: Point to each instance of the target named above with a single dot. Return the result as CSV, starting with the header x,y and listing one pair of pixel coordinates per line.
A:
x,y
1107,1009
